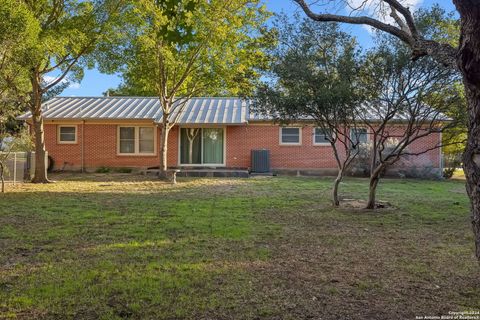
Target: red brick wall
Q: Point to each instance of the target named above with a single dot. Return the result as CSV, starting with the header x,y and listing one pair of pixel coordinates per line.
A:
x,y
240,140
101,149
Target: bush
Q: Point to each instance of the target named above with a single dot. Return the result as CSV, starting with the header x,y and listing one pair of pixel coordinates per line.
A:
x,y
102,170
360,166
123,170
450,163
362,163
419,172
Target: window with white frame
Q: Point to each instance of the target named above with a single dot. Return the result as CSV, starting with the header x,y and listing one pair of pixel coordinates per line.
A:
x,y
321,136
290,135
67,134
358,135
136,140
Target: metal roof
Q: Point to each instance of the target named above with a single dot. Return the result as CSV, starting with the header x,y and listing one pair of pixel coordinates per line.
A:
x,y
196,111
222,110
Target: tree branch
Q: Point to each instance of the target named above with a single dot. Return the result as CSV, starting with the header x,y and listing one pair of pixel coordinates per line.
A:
x,y
442,53
326,17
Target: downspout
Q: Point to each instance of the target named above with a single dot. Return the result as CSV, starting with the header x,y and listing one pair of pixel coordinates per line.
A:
x,y
83,146
441,155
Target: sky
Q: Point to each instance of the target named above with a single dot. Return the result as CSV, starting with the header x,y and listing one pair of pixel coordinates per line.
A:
x,y
95,83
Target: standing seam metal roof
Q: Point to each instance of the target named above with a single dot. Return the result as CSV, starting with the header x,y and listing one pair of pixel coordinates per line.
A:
x,y
196,110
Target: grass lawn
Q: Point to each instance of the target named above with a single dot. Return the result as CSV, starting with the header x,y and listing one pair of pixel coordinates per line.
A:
x,y
129,247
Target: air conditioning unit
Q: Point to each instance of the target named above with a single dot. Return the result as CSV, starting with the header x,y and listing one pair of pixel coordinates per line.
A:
x,y
260,161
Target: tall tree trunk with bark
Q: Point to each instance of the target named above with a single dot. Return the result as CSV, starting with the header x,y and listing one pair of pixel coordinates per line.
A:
x,y
40,175
372,191
2,178
336,183
191,135
162,173
468,60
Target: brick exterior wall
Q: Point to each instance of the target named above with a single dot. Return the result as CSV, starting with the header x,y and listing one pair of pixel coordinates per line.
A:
x,y
100,148
240,140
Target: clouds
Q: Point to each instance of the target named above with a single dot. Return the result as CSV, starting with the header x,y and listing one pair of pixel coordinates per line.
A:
x,y
73,85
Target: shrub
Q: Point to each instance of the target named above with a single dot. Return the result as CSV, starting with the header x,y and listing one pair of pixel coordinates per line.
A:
x,y
123,170
450,163
419,172
102,169
362,163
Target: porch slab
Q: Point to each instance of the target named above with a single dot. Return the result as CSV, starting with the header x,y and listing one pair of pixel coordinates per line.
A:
x,y
212,173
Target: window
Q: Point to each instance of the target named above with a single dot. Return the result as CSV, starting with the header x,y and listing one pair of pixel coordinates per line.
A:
x,y
290,136
136,140
67,134
358,135
322,136
146,140
202,146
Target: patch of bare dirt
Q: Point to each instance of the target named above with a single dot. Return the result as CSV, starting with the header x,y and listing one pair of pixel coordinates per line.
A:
x,y
357,204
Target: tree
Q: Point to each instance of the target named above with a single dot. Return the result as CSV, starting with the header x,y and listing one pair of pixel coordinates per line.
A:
x,y
17,28
69,32
465,58
189,48
410,92
315,75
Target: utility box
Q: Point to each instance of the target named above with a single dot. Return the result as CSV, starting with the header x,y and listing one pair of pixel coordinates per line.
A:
x,y
260,161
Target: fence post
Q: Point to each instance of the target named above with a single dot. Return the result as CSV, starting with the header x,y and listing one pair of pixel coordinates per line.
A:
x,y
26,167
14,168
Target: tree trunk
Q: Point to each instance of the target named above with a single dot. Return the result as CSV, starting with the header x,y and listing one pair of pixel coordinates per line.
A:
x,y
162,172
40,175
2,178
468,61
372,191
338,179
191,135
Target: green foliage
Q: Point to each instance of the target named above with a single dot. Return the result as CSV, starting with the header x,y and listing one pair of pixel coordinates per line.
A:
x,y
103,169
60,39
438,25
19,142
315,71
64,37
185,48
18,30
123,170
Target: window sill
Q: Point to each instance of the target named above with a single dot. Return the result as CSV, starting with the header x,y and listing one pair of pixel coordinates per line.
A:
x,y
202,165
65,142
136,154
290,144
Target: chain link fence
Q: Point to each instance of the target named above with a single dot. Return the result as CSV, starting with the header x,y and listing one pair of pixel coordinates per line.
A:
x,y
19,166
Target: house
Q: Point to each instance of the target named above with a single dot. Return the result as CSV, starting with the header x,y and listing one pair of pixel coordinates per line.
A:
x,y
220,133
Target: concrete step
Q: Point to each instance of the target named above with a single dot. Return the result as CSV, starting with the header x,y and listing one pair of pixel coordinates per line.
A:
x,y
216,173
